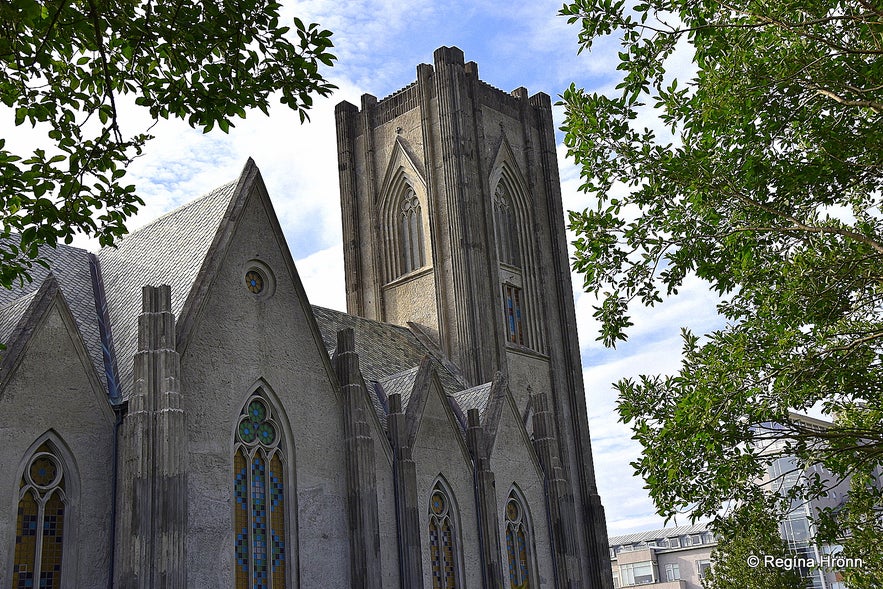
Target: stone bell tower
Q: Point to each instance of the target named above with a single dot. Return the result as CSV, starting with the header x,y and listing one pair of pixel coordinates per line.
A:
x,y
453,225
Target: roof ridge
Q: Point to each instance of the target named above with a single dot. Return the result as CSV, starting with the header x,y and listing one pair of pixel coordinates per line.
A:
x,y
177,210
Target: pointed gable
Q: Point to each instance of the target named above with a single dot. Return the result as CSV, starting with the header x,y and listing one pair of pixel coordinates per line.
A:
x,y
73,269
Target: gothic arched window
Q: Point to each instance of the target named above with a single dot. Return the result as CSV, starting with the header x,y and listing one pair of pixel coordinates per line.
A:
x,y
517,543
508,249
259,495
411,232
39,528
442,540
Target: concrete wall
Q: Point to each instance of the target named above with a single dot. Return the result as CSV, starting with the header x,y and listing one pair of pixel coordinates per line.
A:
x,y
241,340
514,465
51,392
439,451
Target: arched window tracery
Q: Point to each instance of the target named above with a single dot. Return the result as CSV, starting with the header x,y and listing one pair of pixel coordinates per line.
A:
x,y
517,543
506,226
411,232
259,490
443,551
40,522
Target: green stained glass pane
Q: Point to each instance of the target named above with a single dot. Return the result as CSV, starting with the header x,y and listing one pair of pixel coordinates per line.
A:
x,y
257,411
266,433
248,431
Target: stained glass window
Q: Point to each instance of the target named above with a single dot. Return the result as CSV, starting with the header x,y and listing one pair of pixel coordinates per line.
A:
x,y
259,494
39,528
442,543
506,228
513,314
517,547
411,233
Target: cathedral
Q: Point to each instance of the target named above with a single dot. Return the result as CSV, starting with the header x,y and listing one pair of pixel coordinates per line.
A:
x,y
176,414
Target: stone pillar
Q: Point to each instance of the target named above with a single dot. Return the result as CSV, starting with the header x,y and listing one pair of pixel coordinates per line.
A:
x,y
486,500
559,499
407,506
152,504
346,116
360,465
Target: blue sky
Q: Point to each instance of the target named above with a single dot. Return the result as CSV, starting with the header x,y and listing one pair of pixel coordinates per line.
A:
x,y
379,44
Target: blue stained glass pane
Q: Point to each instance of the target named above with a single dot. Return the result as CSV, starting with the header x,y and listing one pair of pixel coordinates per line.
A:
x,y
259,522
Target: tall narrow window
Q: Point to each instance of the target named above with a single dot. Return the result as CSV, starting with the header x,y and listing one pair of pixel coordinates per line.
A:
x,y
411,233
506,228
442,543
512,310
39,529
517,536
259,493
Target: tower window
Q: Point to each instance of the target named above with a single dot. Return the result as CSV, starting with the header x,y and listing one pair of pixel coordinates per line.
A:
x,y
259,495
506,228
39,530
442,544
512,309
411,233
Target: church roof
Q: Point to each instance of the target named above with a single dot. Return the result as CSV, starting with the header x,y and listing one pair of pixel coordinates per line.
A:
x,y
171,250
11,313
72,268
389,358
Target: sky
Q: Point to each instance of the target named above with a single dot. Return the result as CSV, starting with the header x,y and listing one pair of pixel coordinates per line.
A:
x,y
378,45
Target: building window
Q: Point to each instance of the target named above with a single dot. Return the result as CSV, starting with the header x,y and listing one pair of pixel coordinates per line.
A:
x,y
672,571
638,573
39,529
512,305
702,566
259,494
508,249
411,233
517,543
442,541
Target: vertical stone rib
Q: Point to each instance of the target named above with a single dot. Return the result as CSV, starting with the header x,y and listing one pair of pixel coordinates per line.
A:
x,y
345,115
154,431
361,478
407,510
559,498
571,409
486,500
449,74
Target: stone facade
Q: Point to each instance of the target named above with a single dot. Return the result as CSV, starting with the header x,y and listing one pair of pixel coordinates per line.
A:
x,y
176,413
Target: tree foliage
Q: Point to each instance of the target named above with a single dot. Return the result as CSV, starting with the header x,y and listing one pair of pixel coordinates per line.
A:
x,y
769,189
65,66
745,537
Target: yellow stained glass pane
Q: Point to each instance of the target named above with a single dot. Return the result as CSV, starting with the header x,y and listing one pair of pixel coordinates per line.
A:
x,y
53,535
24,563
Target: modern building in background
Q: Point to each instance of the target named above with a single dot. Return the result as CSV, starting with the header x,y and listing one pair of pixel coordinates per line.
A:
x,y
176,414
668,558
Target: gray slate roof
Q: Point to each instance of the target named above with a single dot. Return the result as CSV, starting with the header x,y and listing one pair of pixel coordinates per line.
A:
x,y
389,355
659,534
169,251
475,398
11,313
70,265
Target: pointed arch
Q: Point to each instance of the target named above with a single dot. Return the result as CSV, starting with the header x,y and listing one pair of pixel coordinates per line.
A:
x,y
44,549
263,497
403,215
513,220
521,570
445,557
